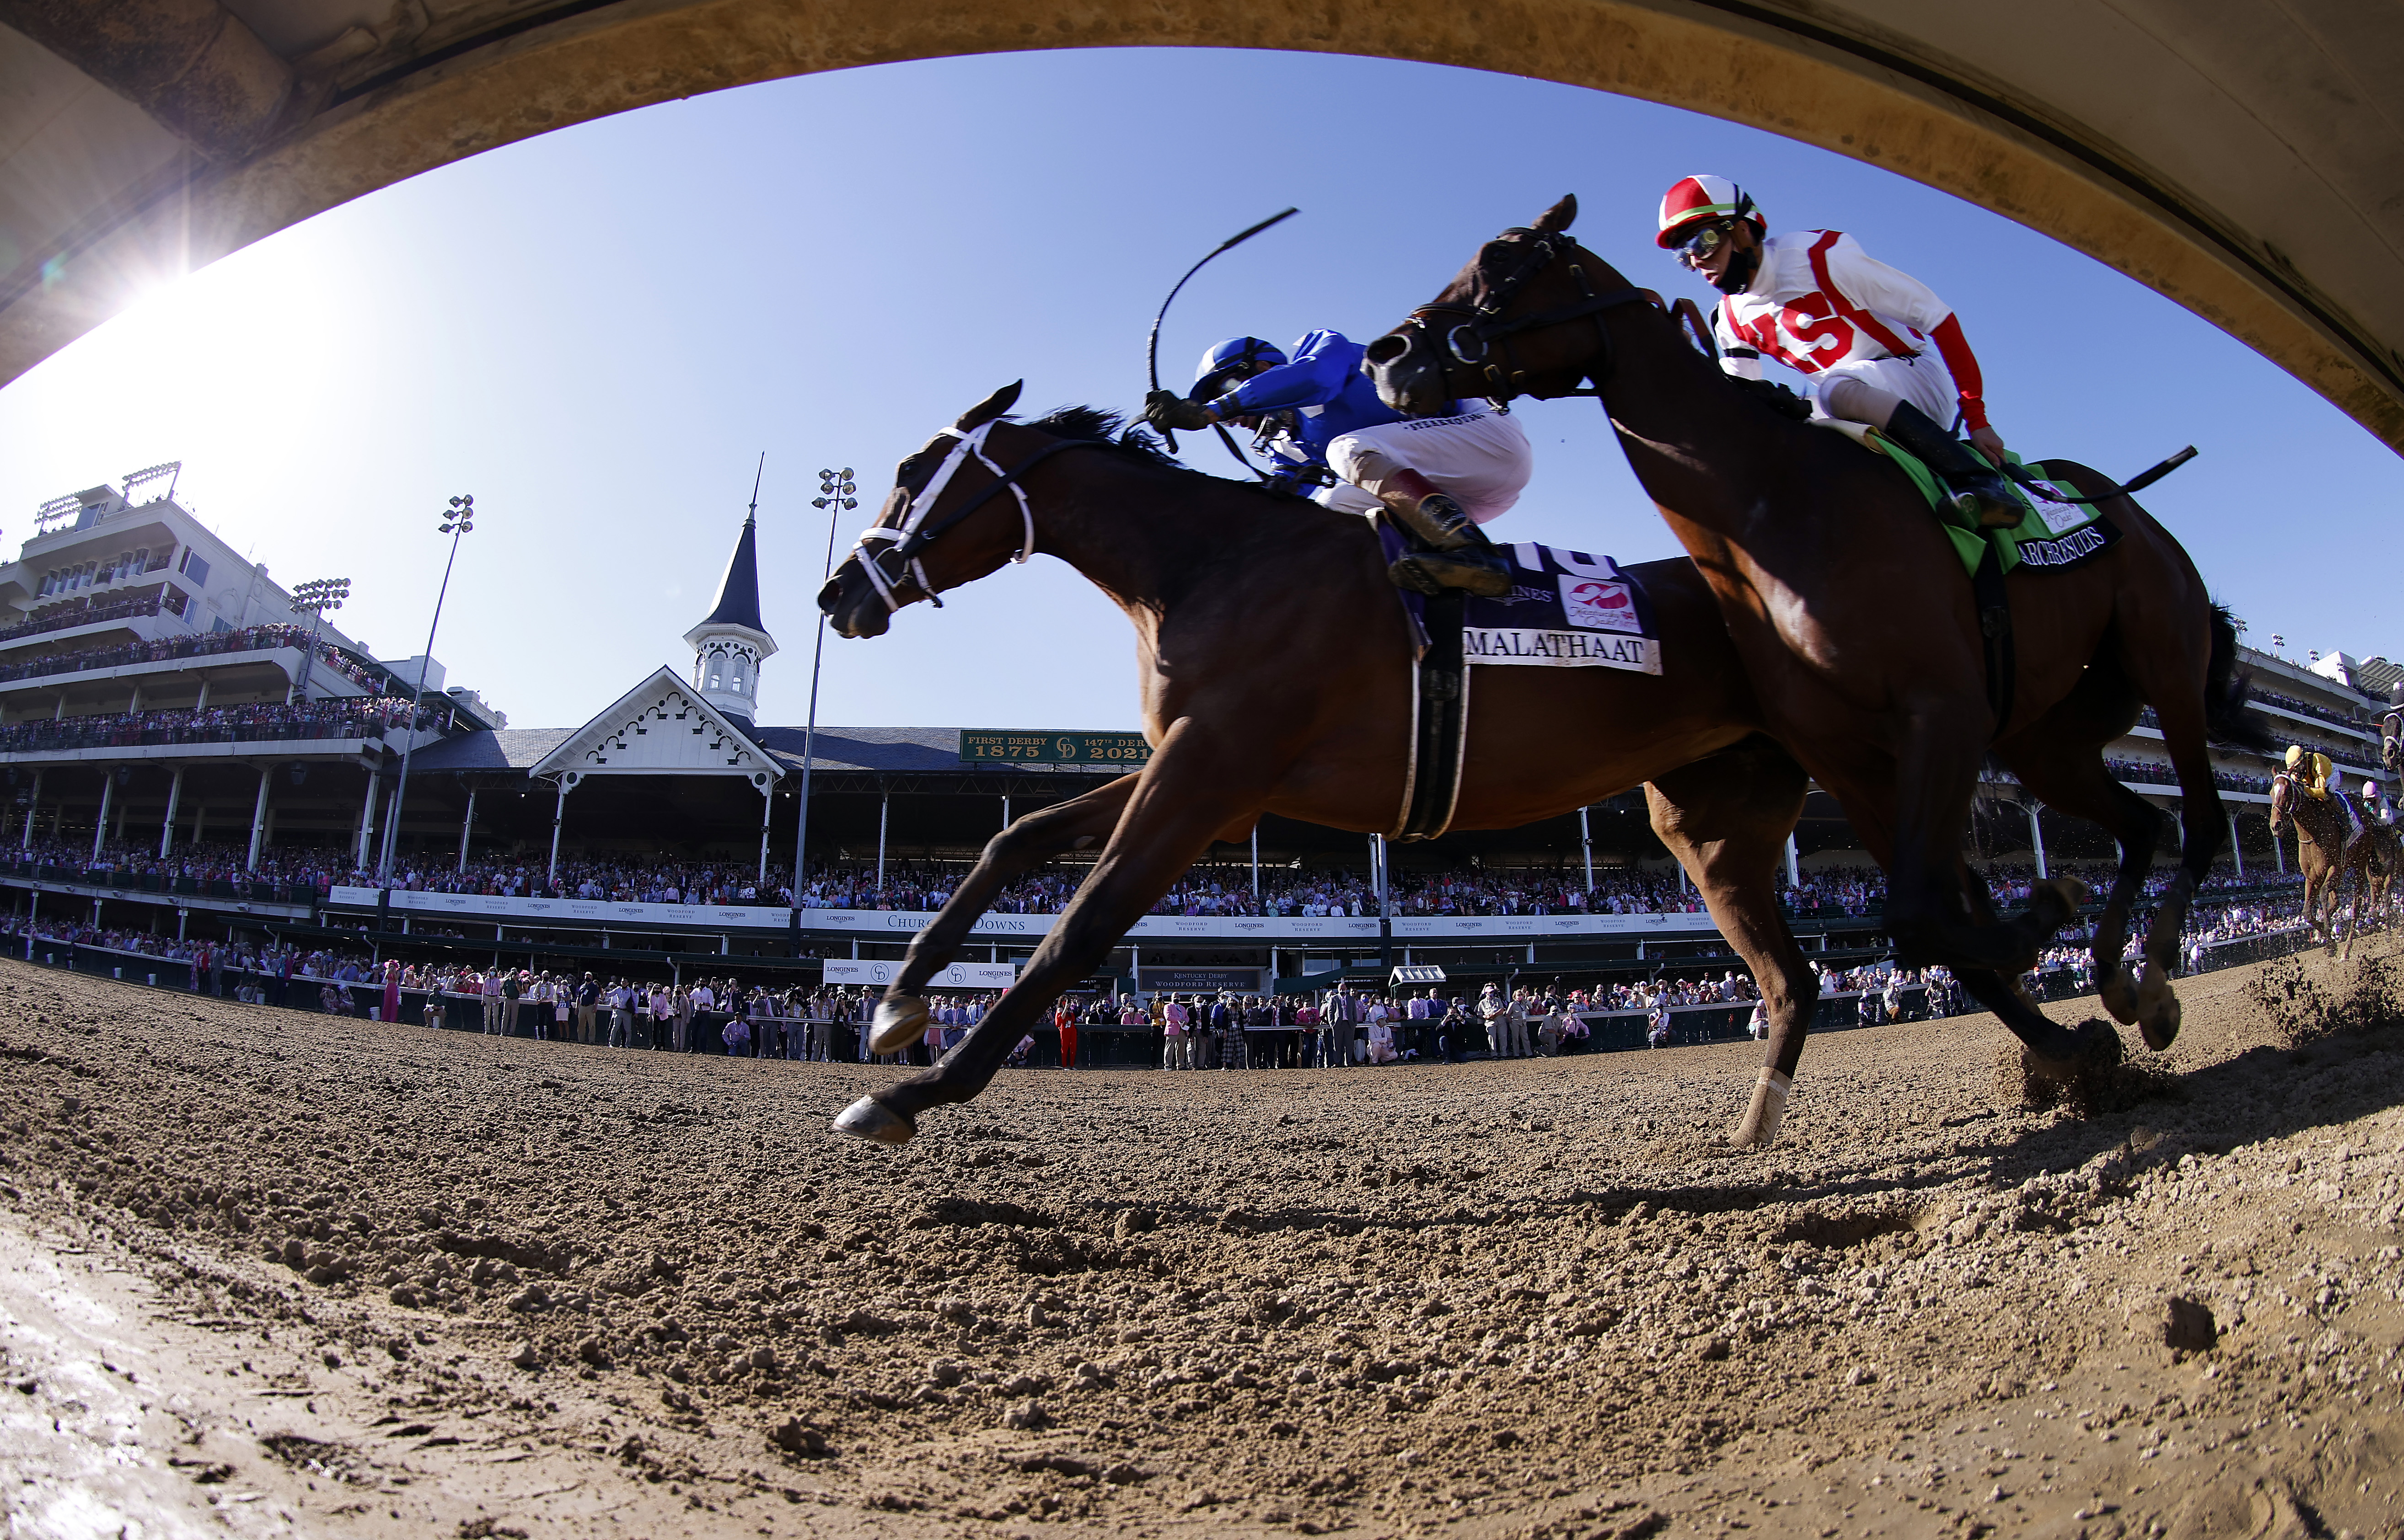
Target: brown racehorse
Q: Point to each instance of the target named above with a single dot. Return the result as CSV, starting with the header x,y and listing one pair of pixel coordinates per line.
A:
x,y
1276,663
2328,857
2320,847
1855,618
2377,861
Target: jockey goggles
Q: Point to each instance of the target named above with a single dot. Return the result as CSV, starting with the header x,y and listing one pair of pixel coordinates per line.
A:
x,y
1699,243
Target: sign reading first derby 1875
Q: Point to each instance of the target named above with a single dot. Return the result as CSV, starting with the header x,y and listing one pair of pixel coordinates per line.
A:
x,y
1054,748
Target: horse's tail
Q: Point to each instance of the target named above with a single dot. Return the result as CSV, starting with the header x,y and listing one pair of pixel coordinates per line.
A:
x,y
2225,684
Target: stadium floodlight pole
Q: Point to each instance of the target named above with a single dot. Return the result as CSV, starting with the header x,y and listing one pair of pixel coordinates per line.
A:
x,y
835,489
456,522
316,596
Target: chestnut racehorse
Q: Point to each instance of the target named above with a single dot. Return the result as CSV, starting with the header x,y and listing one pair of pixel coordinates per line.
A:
x,y
1276,663
1853,617
2324,857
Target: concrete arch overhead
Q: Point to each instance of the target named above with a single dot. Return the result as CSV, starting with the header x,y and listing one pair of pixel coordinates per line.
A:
x,y
2244,158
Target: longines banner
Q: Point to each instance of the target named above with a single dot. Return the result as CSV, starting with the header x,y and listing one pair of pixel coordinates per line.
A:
x,y
903,923
959,976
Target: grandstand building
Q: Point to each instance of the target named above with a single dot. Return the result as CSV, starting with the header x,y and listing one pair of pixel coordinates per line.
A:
x,y
179,752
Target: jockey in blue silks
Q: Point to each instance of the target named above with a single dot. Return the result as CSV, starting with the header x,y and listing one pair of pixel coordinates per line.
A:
x,y
1437,478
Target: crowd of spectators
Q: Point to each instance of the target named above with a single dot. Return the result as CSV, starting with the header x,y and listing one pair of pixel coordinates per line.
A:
x,y
265,721
2301,708
203,645
1824,892
79,612
2343,754
619,880
1343,1026
926,886
2148,772
316,870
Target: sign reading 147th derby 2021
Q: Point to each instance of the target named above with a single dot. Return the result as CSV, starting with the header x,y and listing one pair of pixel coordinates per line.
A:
x,y
1054,748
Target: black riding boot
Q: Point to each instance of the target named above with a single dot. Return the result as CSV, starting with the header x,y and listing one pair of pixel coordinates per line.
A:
x,y
1461,555
1476,567
1979,490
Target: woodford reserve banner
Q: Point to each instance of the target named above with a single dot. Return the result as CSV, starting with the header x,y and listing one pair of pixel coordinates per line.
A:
x,y
983,744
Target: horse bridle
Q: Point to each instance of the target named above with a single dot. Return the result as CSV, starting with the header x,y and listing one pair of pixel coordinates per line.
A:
x,y
1482,327
2296,796
906,539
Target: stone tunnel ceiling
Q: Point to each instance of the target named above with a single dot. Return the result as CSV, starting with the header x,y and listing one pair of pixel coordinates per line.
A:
x,y
2243,158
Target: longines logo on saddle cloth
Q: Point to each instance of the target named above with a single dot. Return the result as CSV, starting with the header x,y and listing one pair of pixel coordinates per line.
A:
x,y
1565,609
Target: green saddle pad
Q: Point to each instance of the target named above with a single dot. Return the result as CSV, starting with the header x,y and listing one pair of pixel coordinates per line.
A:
x,y
2046,520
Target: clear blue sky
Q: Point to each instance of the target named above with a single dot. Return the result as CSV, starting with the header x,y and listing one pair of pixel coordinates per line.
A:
x,y
597,331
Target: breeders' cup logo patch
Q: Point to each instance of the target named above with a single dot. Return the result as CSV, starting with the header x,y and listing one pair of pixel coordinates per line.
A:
x,y
1598,604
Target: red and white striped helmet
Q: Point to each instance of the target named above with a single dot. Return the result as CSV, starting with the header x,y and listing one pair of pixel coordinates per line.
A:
x,y
1696,199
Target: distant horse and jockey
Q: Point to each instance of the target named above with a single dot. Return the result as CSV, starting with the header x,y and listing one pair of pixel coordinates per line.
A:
x,y
2348,860
1822,630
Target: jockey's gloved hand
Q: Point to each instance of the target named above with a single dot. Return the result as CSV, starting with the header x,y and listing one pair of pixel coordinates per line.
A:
x,y
1166,408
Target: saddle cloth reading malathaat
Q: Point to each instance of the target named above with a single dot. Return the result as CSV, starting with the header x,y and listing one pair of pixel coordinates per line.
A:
x,y
1565,610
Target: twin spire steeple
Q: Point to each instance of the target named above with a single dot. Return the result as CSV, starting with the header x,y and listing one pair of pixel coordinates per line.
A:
x,y
731,643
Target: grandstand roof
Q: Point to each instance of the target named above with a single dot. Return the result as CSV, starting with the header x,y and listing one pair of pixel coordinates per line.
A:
x,y
868,748
509,749
891,749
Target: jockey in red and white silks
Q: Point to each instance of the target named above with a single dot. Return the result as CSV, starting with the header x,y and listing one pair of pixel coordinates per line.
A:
x,y
1880,346
1822,306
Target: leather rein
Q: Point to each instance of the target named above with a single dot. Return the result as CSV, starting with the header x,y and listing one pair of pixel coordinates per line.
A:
x,y
906,539
2296,802
1481,324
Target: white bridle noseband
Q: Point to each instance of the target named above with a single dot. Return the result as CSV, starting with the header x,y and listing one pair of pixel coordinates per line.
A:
x,y
922,502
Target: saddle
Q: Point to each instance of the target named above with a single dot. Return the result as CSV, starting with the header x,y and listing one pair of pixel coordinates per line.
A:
x,y
2058,531
1565,609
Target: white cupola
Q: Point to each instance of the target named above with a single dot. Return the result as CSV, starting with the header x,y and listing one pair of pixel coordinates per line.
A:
x,y
730,645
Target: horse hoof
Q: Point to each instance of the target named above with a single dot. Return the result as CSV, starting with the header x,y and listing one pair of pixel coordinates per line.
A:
x,y
900,1023
2092,1046
1758,1128
2119,993
2069,890
2158,1010
870,1119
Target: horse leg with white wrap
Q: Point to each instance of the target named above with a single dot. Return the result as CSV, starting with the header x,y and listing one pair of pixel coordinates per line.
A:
x,y
1078,824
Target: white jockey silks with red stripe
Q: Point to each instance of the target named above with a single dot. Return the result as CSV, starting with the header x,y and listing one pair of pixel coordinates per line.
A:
x,y
1819,304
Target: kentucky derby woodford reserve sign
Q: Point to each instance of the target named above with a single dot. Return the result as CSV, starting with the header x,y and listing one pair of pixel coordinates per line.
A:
x,y
1054,748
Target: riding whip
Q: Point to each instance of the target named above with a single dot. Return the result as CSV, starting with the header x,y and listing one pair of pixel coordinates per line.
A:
x,y
1152,345
2135,484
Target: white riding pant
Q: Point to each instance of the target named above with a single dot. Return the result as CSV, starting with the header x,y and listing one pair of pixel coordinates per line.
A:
x,y
1924,381
1481,459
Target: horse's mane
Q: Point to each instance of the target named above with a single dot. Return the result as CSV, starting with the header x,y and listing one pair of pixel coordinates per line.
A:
x,y
1092,424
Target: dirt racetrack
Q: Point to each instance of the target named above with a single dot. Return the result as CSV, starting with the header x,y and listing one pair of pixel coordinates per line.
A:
x,y
520,1288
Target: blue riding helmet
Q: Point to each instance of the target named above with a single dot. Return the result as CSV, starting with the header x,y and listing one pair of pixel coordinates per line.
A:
x,y
1229,363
